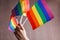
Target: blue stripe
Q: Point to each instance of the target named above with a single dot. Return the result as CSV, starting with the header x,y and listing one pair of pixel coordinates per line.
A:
x,y
16,10
12,27
43,9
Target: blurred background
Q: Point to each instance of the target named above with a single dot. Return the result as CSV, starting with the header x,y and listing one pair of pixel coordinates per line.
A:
x,y
48,31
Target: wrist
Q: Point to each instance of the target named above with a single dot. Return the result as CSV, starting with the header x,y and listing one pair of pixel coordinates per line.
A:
x,y
26,38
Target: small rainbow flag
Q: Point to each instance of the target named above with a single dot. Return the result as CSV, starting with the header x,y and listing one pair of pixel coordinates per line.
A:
x,y
39,14
13,23
17,10
21,7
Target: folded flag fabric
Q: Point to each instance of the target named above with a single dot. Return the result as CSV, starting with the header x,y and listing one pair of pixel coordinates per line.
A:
x,y
39,14
25,5
13,23
19,10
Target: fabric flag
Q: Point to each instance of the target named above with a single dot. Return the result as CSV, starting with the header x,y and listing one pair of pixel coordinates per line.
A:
x,y
25,5
19,10
39,14
13,23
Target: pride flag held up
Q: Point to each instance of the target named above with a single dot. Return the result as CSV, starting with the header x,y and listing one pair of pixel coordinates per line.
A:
x,y
39,14
20,9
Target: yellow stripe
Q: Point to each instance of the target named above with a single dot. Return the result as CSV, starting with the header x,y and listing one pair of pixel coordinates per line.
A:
x,y
22,2
37,15
13,24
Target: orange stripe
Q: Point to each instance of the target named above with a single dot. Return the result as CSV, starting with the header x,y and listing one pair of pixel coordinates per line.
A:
x,y
14,21
34,18
27,5
37,15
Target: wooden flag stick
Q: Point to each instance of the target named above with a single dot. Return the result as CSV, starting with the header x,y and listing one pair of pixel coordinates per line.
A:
x,y
21,19
24,21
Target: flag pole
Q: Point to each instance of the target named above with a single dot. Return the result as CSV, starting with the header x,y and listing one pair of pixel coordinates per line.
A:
x,y
21,19
24,21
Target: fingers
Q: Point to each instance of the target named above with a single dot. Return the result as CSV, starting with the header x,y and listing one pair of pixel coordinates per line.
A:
x,y
20,26
20,32
17,30
17,34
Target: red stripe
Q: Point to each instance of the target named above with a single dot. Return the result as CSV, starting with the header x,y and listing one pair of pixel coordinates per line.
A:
x,y
13,13
31,20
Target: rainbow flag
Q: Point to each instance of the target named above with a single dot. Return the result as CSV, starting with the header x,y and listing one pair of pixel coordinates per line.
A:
x,y
20,9
25,5
17,10
13,23
39,14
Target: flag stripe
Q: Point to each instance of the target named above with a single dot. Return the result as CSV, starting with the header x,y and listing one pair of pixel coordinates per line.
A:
x,y
40,13
47,9
25,5
37,15
31,20
10,29
13,13
19,8
16,10
43,9
34,18
11,26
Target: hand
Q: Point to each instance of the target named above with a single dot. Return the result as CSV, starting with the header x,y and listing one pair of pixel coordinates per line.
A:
x,y
20,33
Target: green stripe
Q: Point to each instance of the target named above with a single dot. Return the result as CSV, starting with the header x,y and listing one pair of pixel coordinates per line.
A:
x,y
40,13
19,9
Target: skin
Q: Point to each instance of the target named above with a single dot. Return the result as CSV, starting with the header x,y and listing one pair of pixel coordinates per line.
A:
x,y
20,33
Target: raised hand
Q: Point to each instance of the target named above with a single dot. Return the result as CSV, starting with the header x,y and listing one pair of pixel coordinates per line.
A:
x,y
20,33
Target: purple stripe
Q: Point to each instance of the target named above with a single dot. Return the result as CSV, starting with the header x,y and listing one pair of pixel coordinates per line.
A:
x,y
47,9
